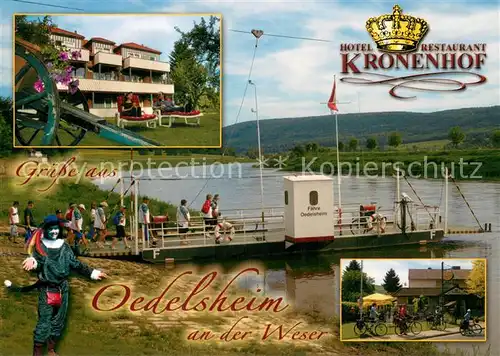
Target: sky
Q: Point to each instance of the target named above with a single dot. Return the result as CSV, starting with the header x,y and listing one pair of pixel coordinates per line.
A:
x,y
378,268
292,77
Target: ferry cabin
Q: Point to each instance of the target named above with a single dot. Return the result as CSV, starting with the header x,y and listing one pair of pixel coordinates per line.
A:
x,y
107,70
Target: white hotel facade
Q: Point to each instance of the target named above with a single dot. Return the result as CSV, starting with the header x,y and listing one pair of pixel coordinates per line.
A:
x,y
106,70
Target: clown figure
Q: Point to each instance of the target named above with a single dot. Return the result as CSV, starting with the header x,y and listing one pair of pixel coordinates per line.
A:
x,y
52,259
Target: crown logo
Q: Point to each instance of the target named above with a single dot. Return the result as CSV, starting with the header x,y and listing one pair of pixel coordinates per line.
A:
x,y
397,32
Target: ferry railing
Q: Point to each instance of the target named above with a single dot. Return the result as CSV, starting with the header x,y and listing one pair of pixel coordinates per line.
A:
x,y
250,229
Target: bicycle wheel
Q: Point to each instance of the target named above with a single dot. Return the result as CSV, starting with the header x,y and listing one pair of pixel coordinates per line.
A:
x,y
463,331
416,328
477,329
441,326
359,329
380,329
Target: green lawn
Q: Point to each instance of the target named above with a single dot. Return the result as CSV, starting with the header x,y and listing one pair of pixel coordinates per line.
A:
x,y
208,134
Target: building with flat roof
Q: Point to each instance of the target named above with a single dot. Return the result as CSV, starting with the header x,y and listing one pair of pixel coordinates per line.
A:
x,y
106,70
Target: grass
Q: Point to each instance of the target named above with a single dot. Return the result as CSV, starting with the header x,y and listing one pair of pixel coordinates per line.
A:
x,y
208,134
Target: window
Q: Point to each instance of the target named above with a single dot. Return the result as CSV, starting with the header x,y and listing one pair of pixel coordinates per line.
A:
x,y
58,43
152,58
286,197
313,198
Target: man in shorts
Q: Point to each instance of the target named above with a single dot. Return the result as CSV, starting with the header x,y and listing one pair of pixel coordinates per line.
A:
x,y
120,221
77,225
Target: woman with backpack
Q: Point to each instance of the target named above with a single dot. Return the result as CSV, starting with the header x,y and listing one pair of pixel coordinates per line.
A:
x,y
206,209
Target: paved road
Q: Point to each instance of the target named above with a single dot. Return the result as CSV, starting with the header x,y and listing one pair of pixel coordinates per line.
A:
x,y
451,334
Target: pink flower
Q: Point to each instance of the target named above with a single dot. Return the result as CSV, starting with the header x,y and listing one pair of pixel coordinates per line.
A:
x,y
69,69
39,87
63,56
73,86
76,54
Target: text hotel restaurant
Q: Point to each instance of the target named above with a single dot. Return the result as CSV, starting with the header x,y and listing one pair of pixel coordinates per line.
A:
x,y
106,70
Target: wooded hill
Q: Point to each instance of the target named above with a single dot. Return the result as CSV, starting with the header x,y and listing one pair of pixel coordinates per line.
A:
x,y
278,135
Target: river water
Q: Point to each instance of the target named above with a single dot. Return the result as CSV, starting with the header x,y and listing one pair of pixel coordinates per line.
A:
x,y
312,282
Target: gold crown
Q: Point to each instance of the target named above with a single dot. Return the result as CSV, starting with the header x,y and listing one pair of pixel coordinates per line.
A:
x,y
397,32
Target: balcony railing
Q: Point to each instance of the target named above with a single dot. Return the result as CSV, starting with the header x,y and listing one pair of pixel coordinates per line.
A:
x,y
158,66
108,58
126,78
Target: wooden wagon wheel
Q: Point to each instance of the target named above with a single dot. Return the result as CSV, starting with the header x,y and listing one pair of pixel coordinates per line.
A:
x,y
36,113
39,118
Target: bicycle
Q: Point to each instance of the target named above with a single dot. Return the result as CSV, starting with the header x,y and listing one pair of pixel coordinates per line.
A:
x,y
401,326
436,322
376,328
472,329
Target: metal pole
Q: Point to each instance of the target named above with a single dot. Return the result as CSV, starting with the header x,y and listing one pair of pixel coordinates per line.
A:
x,y
361,307
398,194
261,162
121,188
442,285
446,200
136,216
338,159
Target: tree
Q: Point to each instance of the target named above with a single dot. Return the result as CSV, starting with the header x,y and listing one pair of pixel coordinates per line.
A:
x,y
371,143
353,144
341,146
456,136
391,281
204,40
395,139
476,281
5,127
351,285
353,266
495,138
311,147
190,79
36,32
253,153
298,151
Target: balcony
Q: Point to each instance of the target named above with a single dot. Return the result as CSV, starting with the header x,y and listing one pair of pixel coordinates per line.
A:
x,y
140,63
108,59
114,86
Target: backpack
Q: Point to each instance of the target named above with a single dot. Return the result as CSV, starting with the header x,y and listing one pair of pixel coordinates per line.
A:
x,y
116,218
69,214
206,207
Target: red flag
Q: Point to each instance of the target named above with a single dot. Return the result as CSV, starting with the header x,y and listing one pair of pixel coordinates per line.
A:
x,y
332,102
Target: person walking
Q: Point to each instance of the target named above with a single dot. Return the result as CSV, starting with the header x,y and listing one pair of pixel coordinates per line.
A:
x,y
120,220
145,221
183,220
29,221
100,224
14,221
77,226
93,211
206,209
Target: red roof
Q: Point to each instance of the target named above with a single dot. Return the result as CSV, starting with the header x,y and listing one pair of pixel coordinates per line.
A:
x,y
139,47
62,32
101,40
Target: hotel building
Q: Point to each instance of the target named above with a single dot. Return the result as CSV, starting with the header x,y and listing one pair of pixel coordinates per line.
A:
x,y
106,70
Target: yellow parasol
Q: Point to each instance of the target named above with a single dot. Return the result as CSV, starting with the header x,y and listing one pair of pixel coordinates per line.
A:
x,y
379,299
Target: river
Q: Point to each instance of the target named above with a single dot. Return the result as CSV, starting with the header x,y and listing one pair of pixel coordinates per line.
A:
x,y
311,283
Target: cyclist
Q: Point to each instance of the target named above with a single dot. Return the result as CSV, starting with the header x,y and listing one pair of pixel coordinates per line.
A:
x,y
373,313
466,322
403,321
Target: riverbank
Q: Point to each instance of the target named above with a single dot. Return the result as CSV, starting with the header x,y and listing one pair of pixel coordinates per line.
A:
x,y
480,164
90,333
63,193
